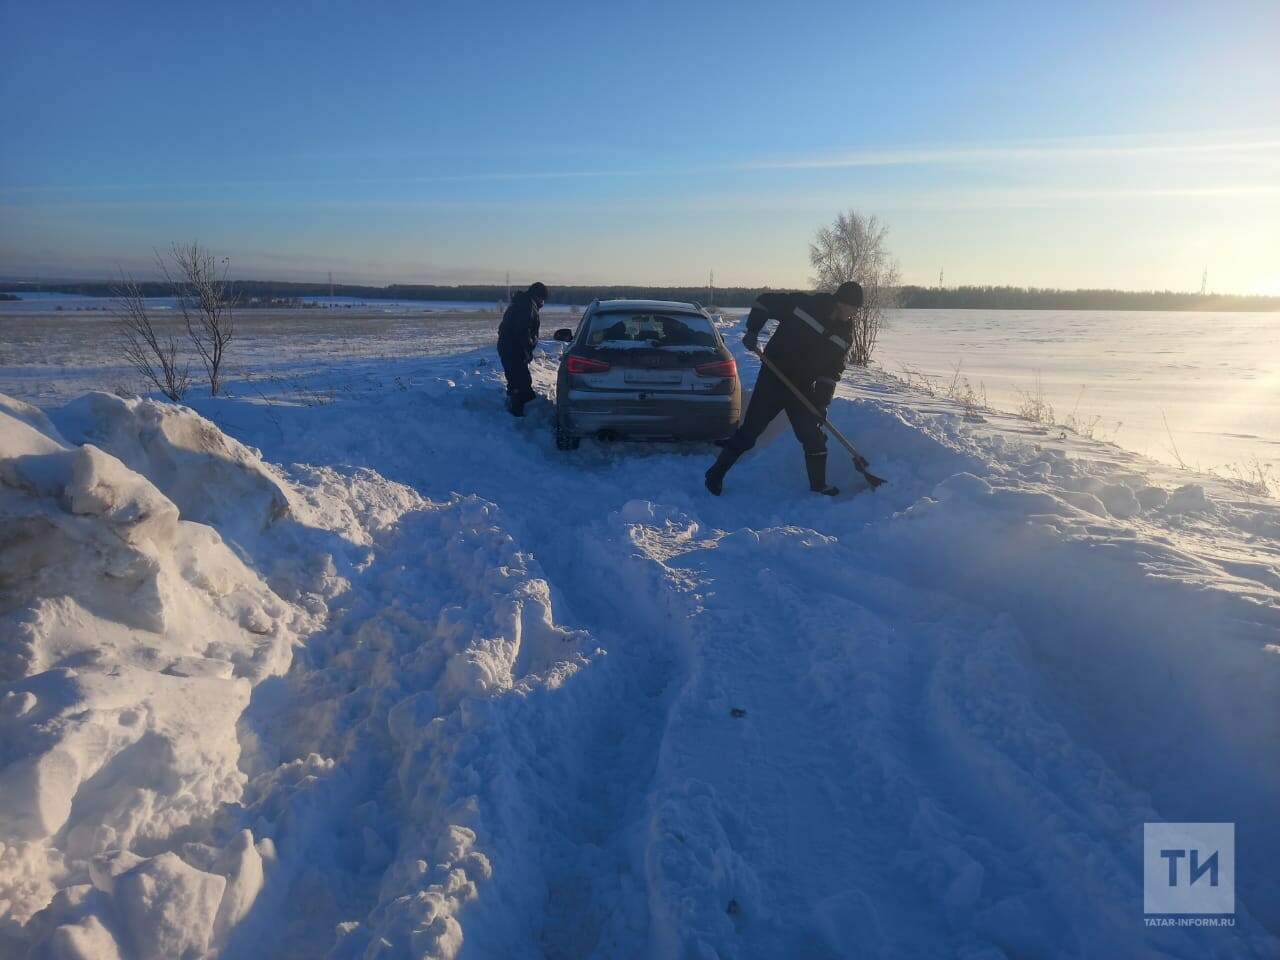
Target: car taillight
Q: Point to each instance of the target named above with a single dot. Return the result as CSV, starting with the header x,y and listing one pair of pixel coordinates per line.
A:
x,y
721,368
583,365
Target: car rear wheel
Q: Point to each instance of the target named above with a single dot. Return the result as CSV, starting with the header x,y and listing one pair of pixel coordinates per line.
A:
x,y
566,442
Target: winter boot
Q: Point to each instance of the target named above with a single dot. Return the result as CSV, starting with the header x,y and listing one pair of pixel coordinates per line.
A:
x,y
515,405
715,475
816,464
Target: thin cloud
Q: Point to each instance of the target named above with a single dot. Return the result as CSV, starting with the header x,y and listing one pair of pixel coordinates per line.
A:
x,y
886,200
1263,145
1064,149
293,182
770,201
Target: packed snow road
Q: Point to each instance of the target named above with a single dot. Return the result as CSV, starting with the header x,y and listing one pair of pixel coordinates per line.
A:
x,y
434,688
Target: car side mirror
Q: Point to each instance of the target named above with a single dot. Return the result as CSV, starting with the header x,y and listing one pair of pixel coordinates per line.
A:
x,y
564,335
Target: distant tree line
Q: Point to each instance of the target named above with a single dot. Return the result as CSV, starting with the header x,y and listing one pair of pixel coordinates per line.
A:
x,y
271,292
1033,298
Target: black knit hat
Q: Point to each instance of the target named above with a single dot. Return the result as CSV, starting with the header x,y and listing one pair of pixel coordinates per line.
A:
x,y
850,293
538,291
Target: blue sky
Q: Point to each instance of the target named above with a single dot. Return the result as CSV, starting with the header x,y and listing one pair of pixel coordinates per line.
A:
x,y
1121,144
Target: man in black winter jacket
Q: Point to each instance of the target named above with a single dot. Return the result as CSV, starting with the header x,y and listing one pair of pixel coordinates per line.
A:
x,y
517,336
810,347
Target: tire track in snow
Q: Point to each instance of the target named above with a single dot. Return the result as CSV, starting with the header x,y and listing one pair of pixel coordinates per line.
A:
x,y
596,904
767,826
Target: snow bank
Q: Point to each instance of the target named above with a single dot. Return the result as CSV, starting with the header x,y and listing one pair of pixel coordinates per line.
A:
x,y
133,639
210,477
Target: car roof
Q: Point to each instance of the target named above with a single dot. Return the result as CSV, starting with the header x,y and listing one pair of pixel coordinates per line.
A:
x,y
650,306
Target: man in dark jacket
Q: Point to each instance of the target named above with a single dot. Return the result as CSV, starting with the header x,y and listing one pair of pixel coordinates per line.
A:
x,y
517,336
809,347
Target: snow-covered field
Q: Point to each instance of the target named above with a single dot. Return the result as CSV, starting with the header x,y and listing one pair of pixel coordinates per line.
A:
x,y
351,664
1201,389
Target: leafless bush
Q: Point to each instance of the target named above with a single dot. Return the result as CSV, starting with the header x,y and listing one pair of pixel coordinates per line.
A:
x,y
853,248
206,302
1034,406
1085,426
918,380
973,400
153,357
1253,478
1082,424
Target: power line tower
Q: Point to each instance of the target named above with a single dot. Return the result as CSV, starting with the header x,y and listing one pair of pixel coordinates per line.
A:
x,y
1204,281
940,283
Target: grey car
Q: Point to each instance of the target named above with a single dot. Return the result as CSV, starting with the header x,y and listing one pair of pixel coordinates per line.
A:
x,y
645,370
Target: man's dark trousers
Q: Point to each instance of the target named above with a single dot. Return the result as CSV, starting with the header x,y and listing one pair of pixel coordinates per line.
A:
x,y
515,364
769,398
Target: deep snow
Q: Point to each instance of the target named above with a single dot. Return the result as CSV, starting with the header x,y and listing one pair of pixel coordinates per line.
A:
x,y
371,669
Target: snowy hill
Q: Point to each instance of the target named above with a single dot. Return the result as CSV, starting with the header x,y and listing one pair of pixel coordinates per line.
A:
x,y
373,670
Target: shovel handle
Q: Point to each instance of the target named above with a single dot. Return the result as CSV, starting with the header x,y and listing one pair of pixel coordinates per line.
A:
x,y
860,462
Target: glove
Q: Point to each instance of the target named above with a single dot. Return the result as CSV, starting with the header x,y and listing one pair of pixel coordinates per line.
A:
x,y
750,341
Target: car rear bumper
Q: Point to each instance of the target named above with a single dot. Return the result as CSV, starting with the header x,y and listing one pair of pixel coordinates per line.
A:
x,y
644,416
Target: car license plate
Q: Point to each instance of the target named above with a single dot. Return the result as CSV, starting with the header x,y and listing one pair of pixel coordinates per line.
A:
x,y
652,376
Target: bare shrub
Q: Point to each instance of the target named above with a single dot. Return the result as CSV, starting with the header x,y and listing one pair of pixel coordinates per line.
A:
x,y
1253,478
207,304
918,380
154,357
1084,425
1034,406
973,400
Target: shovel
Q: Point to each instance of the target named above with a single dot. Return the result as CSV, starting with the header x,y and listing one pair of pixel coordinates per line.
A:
x,y
860,462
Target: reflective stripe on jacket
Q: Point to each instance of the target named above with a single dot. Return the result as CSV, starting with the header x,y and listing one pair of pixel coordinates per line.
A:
x,y
809,344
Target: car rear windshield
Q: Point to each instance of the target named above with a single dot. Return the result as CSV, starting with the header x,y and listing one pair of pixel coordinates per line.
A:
x,y
651,329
